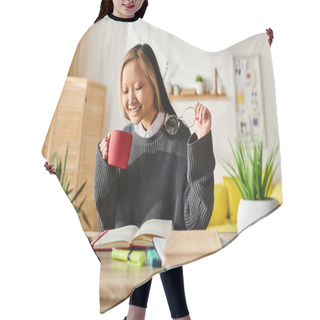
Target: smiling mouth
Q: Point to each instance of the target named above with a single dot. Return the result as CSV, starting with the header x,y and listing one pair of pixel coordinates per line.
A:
x,y
129,6
134,111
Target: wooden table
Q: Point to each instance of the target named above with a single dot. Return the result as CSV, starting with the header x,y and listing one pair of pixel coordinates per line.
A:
x,y
118,278
227,237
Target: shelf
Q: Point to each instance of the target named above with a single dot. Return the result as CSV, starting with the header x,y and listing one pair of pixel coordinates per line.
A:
x,y
196,96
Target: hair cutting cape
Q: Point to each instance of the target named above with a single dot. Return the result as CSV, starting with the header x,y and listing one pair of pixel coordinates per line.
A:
x,y
238,88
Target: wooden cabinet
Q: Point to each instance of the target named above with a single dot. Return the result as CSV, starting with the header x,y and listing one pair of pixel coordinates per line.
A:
x,y
78,123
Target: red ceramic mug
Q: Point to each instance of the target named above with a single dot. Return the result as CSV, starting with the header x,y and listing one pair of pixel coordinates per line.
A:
x,y
119,149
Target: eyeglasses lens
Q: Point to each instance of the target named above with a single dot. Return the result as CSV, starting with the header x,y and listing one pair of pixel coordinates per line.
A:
x,y
172,125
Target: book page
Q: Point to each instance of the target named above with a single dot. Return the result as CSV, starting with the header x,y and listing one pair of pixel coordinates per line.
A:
x,y
156,227
120,234
159,244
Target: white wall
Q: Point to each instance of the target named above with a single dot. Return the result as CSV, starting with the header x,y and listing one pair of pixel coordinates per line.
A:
x,y
224,109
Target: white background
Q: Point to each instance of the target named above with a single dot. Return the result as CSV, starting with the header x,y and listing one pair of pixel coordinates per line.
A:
x,y
47,268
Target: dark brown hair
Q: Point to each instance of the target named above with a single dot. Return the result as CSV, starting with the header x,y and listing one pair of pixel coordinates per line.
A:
x,y
106,7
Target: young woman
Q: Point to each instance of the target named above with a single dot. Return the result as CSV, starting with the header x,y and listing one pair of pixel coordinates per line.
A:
x,y
169,174
123,9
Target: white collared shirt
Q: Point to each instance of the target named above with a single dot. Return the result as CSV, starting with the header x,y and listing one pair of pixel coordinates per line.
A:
x,y
154,128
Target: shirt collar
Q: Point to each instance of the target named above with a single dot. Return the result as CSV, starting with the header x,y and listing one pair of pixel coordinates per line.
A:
x,y
111,16
154,128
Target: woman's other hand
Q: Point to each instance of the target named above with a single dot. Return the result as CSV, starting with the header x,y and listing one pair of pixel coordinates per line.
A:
x,y
202,120
104,147
49,168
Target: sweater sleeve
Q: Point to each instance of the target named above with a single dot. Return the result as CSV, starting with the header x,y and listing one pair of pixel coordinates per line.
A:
x,y
199,196
105,192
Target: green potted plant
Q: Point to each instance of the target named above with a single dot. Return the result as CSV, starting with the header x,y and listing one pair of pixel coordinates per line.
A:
x,y
253,180
199,85
60,170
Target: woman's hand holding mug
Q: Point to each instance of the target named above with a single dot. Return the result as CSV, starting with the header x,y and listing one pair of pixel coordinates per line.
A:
x,y
104,147
202,120
116,148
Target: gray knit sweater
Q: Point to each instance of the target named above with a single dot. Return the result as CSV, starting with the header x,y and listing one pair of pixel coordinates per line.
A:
x,y
168,177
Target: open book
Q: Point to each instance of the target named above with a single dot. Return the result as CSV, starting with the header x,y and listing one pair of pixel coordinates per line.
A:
x,y
131,235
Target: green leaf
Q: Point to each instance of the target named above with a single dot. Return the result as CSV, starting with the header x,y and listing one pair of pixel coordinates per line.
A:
x,y
60,169
78,192
65,163
252,181
81,204
85,218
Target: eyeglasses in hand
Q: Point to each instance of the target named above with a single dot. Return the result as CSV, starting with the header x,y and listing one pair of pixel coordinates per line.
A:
x,y
173,124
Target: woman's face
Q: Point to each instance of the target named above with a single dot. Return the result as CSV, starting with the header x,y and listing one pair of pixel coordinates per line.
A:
x,y
126,8
138,95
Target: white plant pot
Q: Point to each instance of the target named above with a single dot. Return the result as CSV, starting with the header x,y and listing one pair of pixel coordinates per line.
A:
x,y
199,87
250,211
